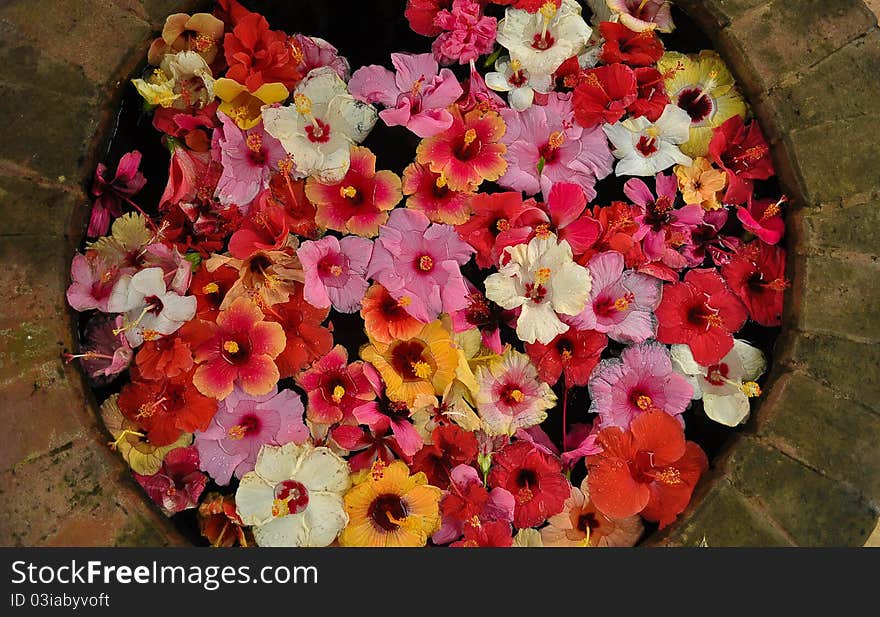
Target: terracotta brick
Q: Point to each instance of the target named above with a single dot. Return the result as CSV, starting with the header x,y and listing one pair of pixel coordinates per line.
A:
x,y
853,228
27,207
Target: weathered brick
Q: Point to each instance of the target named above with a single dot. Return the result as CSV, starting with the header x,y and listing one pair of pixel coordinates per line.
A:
x,y
716,14
847,367
813,509
30,208
723,517
831,434
838,296
854,228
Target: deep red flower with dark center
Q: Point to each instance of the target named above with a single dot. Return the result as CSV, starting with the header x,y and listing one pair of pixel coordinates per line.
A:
x,y
648,469
652,97
574,353
696,103
743,153
603,95
628,47
178,484
421,13
451,446
702,313
535,480
756,274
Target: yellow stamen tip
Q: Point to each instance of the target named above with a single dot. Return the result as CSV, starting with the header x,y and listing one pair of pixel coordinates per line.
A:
x,y
347,191
211,288
421,369
470,136
441,180
230,347
751,389
404,301
543,275
517,395
338,393
302,103
644,402
236,432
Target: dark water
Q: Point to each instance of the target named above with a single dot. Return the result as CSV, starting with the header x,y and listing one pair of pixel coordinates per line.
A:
x,y
366,33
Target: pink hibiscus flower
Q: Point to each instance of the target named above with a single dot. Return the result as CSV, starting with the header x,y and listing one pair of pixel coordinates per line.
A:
x,y
641,380
415,97
334,271
242,425
383,414
467,33
110,193
335,387
178,485
763,218
92,281
248,159
545,146
621,303
419,264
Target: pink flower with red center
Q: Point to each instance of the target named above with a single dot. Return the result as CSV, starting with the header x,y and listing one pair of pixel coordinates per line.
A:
x,y
335,387
545,146
359,203
372,444
382,413
574,353
662,227
511,396
763,218
334,271
111,193
248,159
242,425
466,34
419,264
429,193
535,480
468,152
702,313
621,302
494,214
756,274
468,504
641,380
178,485
93,280
743,153
241,350
105,352
415,97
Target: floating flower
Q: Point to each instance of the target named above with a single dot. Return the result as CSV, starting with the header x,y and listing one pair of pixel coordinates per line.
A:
x,y
178,485
293,497
242,425
111,193
257,55
702,313
725,387
702,86
756,274
763,218
383,414
652,99
545,146
321,126
200,32
641,380
422,364
468,152
266,277
248,159
307,338
510,76
242,349
494,214
621,302
466,34
171,356
263,228
633,48
535,480
483,315
335,387
151,309
648,469
542,279
93,280
416,96
385,318
419,262
574,353
334,271
449,448
429,193
469,505
511,396
642,15
701,183
645,148
244,105
742,152
105,352
219,522
359,202
603,95
421,14
313,52
581,524
542,40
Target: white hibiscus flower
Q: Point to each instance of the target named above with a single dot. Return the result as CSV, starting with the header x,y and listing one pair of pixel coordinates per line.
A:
x,y
646,148
724,387
321,125
510,76
542,279
151,309
293,497
543,40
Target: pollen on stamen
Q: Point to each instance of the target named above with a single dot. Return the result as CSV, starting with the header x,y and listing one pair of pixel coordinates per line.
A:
x,y
426,263
338,393
336,270
543,275
254,142
751,389
470,136
347,191
556,139
670,475
644,402
404,301
210,288
517,395
230,347
440,182
302,103
421,369
236,432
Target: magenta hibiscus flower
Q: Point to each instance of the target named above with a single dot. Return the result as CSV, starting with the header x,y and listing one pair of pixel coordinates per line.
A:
x,y
641,380
334,271
419,263
242,425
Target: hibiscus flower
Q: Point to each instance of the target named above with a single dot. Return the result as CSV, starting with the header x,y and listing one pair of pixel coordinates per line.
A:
x,y
574,353
335,387
645,148
582,524
469,505
603,95
511,396
466,34
450,448
428,192
632,48
535,480
178,485
111,193
763,218
248,158
494,214
385,318
743,153
756,274
334,271
151,308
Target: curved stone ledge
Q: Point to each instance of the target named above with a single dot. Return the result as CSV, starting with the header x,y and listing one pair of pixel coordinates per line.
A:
x,y
805,470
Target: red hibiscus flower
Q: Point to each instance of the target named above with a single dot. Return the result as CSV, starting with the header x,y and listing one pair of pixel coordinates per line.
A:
x,y
335,387
165,409
178,484
648,469
192,126
257,55
451,446
307,339
617,224
291,195
170,356
421,13
428,192
201,226
489,534
494,213
243,348
652,97
632,48
264,228
535,480
702,313
603,94
763,218
574,353
371,444
756,274
111,193
210,289
743,153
